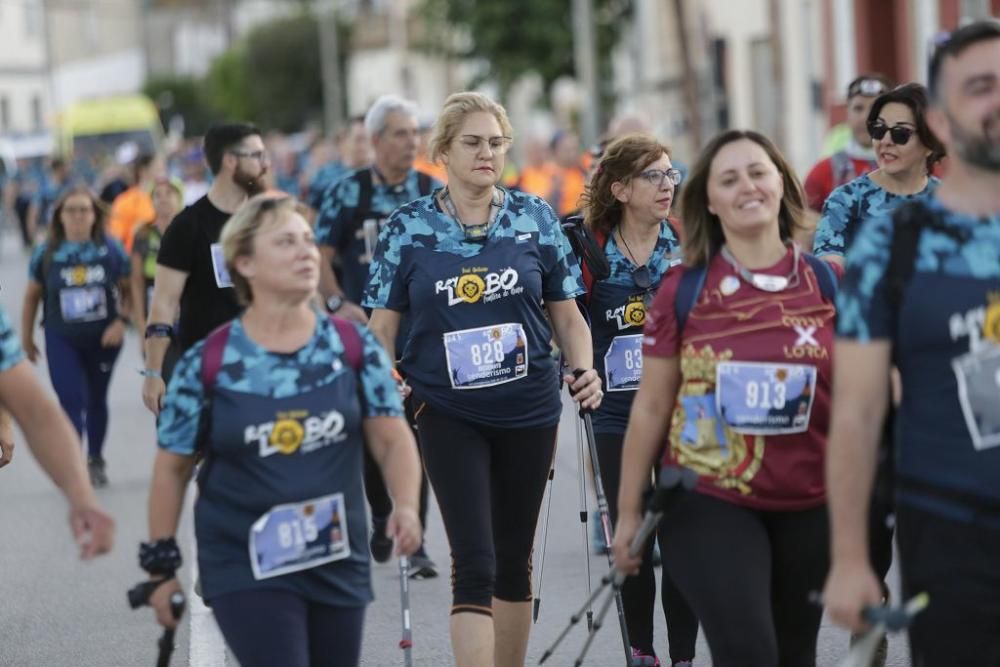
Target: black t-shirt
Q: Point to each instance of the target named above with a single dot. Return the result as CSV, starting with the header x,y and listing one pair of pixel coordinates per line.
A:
x,y
208,299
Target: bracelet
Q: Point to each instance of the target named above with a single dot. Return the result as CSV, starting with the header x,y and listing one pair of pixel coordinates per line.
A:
x,y
159,330
162,557
150,373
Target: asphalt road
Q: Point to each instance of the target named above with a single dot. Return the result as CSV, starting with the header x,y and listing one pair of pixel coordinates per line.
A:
x,y
56,610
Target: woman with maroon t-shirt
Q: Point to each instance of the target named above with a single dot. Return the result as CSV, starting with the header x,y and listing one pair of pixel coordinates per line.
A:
x,y
736,386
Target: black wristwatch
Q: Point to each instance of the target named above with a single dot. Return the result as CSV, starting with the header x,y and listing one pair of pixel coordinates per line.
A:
x,y
334,303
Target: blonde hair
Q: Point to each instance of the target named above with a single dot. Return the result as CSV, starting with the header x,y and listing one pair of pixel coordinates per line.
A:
x,y
239,233
456,108
622,160
703,235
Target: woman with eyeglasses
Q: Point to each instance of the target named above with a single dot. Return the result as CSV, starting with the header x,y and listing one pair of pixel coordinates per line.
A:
x,y
736,386
625,208
280,403
484,276
80,275
905,150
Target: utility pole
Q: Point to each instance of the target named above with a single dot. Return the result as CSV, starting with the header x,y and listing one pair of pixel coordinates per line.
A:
x,y
585,60
329,61
691,100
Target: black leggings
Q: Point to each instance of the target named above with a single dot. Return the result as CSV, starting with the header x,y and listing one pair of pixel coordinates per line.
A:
x,y
748,574
489,484
639,592
375,489
267,628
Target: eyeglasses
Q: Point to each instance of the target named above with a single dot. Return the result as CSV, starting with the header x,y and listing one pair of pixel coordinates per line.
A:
x,y
658,177
866,87
497,145
260,156
900,135
78,209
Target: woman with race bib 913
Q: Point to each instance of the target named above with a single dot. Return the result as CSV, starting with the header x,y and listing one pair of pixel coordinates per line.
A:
x,y
471,267
736,386
626,208
80,275
280,402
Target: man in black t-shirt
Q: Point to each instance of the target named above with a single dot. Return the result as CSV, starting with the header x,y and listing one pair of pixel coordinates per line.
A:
x,y
190,269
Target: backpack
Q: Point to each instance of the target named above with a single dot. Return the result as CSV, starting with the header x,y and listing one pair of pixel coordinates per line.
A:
x,y
693,281
211,363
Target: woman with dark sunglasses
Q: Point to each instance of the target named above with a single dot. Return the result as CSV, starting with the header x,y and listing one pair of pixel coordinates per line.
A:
x,y
626,208
905,150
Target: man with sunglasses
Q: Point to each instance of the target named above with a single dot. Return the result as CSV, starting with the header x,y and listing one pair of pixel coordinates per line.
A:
x,y
857,157
922,289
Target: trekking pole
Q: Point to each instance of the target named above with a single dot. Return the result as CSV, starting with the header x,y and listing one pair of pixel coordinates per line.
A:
x,y
406,643
883,620
605,515
673,480
138,596
584,512
545,542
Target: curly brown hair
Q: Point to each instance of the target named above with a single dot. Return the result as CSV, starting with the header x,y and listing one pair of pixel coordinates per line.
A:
x,y
622,160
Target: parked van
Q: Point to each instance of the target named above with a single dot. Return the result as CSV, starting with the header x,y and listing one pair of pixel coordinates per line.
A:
x,y
94,129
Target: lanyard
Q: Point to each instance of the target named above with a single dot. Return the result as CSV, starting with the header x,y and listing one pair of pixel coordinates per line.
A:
x,y
397,189
763,281
474,233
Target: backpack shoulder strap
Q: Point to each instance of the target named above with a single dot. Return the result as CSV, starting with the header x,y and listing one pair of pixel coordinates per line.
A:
x,y
424,184
691,284
364,177
588,275
351,339
211,356
908,221
825,276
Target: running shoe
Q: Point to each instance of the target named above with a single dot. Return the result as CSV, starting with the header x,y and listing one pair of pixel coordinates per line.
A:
x,y
640,657
380,544
421,566
96,469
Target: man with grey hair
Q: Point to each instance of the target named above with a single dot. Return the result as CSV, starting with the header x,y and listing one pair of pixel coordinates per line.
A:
x,y
352,212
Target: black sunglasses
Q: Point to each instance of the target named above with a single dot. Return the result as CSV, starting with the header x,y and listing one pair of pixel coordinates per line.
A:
x,y
899,135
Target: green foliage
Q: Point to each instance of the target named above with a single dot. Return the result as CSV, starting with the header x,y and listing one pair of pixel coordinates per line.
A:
x,y
180,96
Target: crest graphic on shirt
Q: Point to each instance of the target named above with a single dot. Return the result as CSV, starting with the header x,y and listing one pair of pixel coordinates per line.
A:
x,y
287,436
296,431
479,284
631,314
991,321
81,274
699,438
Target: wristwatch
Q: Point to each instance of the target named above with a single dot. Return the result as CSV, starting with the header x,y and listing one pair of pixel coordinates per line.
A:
x,y
334,303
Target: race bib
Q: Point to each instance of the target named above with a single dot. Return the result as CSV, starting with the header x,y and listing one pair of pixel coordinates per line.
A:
x,y
623,363
299,536
222,278
486,356
83,304
370,230
765,399
978,376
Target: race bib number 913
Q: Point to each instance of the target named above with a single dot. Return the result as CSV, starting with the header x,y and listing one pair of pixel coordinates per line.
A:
x,y
486,356
765,399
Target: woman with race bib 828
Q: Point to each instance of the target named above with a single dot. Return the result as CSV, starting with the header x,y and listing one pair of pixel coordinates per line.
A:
x,y
626,208
471,267
736,386
80,275
286,398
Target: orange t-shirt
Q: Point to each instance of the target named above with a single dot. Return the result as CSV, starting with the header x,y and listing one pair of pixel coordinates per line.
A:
x,y
568,186
129,210
432,169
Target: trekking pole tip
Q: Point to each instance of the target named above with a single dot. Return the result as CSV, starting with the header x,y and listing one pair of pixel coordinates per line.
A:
x,y
534,611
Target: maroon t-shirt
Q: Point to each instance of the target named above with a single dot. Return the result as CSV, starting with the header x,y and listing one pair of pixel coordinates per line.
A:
x,y
753,406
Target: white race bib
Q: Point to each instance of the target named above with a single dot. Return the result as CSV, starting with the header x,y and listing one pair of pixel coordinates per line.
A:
x,y
299,536
83,304
222,278
623,363
763,398
978,376
486,356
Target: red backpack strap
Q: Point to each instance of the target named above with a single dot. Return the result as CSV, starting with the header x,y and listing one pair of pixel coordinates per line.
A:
x,y
351,340
211,355
588,277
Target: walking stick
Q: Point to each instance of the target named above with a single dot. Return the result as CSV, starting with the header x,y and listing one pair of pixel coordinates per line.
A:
x,y
545,542
406,643
584,512
138,596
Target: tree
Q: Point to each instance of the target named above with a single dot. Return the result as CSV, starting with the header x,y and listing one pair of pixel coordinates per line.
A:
x,y
180,96
517,37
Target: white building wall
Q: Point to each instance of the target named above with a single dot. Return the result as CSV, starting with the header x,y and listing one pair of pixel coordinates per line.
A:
x,y
22,68
740,23
111,74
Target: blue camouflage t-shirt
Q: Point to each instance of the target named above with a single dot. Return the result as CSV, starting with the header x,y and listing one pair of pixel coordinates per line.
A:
x,y
479,343
80,283
850,205
945,331
617,309
325,177
10,349
353,233
249,368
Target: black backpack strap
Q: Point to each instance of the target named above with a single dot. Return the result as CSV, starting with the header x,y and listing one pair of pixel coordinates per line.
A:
x,y
424,184
365,190
690,286
825,276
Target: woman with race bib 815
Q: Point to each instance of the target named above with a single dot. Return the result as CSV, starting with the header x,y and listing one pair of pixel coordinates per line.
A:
x,y
626,208
736,386
471,267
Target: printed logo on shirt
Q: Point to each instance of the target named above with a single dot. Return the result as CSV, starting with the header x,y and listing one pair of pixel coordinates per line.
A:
x,y
631,314
294,431
82,274
991,320
973,323
806,344
479,284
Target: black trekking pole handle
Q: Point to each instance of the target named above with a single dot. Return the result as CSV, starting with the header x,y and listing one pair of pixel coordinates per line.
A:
x,y
166,642
577,374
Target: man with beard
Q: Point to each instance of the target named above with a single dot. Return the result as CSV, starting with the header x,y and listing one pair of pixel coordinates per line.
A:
x,y
922,289
190,269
